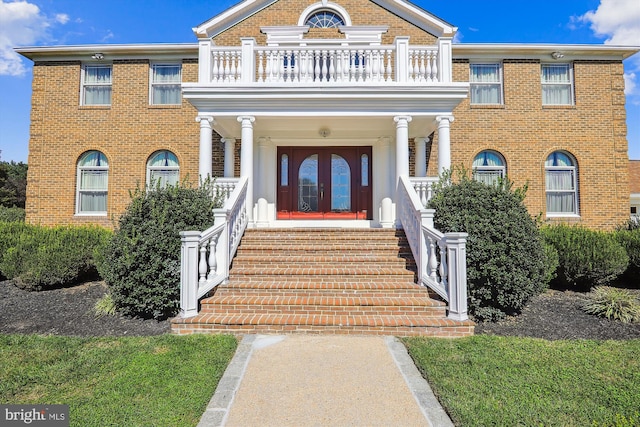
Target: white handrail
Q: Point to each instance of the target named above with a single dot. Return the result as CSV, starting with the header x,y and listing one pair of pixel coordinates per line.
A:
x,y
440,258
207,255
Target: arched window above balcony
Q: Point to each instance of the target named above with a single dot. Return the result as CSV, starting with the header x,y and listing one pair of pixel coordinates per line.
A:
x,y
324,14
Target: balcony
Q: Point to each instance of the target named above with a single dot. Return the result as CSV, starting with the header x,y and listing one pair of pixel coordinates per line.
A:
x,y
322,63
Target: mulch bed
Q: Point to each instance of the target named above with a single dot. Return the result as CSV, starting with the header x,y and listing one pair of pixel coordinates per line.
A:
x,y
69,311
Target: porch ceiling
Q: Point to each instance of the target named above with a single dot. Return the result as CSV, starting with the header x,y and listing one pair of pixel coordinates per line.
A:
x,y
349,113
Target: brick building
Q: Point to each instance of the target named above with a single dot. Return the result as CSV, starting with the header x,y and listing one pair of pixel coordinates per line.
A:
x,y
323,105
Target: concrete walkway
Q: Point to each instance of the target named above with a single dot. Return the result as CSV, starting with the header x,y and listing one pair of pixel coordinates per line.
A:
x,y
321,380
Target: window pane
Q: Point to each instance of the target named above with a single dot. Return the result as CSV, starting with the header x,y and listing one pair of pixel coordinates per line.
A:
x,y
97,74
308,185
324,19
561,203
485,94
364,167
487,158
163,158
166,74
93,201
485,73
560,180
97,95
340,184
556,94
487,177
166,94
164,177
93,180
556,73
284,170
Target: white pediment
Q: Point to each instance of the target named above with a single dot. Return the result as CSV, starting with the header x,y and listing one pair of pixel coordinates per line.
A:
x,y
404,9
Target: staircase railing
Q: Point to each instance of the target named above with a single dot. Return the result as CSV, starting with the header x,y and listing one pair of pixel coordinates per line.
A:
x,y
207,255
440,257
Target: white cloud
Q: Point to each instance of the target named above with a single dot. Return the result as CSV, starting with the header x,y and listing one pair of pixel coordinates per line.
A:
x,y
22,24
619,22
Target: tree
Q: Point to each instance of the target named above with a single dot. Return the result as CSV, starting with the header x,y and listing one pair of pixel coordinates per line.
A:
x,y
13,184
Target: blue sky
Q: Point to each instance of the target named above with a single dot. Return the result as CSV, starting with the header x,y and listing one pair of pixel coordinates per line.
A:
x,y
72,22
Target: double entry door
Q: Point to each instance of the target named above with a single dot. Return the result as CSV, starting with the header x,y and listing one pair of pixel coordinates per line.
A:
x,y
324,183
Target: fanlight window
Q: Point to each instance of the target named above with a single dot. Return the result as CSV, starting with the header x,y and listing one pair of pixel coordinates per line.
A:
x,y
561,184
324,19
488,167
92,184
163,169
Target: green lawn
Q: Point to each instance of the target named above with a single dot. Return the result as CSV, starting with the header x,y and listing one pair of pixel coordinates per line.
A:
x,y
505,381
135,381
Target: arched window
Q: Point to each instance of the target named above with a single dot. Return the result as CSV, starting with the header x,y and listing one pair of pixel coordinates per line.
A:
x,y
92,184
489,167
561,176
324,18
163,169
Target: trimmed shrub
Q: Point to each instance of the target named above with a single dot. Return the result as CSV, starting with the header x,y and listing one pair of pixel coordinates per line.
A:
x,y
613,303
141,263
587,257
13,214
10,233
42,258
630,241
506,261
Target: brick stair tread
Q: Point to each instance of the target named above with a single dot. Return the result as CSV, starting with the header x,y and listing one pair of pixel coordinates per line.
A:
x,y
325,300
416,320
320,270
309,258
316,282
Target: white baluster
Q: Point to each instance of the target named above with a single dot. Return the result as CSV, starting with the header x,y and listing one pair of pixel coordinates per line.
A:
x,y
361,65
311,65
325,68
202,265
389,66
281,70
443,265
433,261
434,68
423,193
260,66
429,68
213,259
296,65
339,65
216,64
429,190
416,67
352,66
332,66
234,67
269,69
423,69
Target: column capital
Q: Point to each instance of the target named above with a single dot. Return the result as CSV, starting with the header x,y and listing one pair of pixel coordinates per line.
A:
x,y
445,120
246,120
205,120
402,120
225,140
264,140
422,139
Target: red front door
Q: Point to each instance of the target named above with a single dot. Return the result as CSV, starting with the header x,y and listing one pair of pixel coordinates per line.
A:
x,y
324,183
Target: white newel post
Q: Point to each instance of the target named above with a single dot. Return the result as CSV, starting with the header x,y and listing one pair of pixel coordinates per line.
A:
x,y
204,60
248,65
402,147
445,60
206,147
457,274
444,142
421,157
246,159
229,156
189,255
402,59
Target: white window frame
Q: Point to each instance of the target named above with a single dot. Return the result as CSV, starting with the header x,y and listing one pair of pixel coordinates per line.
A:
x,y
569,83
499,83
84,84
501,169
573,169
171,168
152,83
103,169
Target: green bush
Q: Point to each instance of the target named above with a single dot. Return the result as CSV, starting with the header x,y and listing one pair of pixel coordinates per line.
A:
x,y
613,303
10,233
13,214
142,261
506,261
42,258
630,241
587,257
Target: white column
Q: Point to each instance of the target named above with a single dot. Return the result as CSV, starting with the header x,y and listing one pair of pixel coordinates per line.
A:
x,y
421,157
206,147
402,147
262,182
246,159
229,156
444,142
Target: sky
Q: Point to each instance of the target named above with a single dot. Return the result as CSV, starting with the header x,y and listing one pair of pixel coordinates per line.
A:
x,y
73,22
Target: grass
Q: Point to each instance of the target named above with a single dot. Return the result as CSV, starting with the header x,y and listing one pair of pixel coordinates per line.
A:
x,y
134,381
490,380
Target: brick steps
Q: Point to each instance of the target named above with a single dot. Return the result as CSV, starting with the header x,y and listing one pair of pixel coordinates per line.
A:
x,y
323,281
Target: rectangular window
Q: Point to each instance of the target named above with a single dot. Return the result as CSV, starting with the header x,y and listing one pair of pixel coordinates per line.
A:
x,y
96,85
557,84
486,83
165,84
